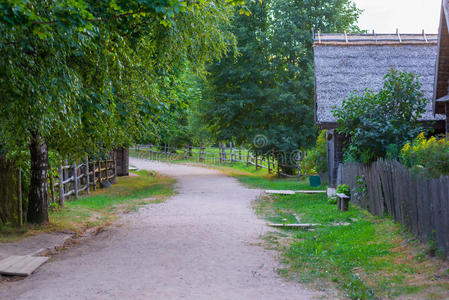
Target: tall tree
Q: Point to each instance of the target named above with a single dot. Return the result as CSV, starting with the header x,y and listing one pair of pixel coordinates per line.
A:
x,y
265,95
79,76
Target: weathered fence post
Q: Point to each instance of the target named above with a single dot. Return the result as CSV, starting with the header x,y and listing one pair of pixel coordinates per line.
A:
x,y
61,186
230,147
87,176
278,170
66,175
94,178
19,198
256,161
75,177
247,157
52,184
269,164
299,165
114,156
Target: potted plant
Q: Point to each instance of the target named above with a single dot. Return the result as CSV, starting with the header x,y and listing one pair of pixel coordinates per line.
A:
x,y
315,162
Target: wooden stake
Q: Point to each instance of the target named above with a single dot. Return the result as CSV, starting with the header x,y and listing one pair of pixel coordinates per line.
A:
x,y
87,176
19,198
94,177
114,157
52,185
61,186
75,177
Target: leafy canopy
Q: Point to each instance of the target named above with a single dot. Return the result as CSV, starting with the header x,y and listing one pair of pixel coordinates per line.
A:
x,y
90,75
379,124
268,89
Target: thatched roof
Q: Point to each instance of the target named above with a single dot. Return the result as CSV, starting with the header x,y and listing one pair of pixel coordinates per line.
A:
x,y
352,63
442,73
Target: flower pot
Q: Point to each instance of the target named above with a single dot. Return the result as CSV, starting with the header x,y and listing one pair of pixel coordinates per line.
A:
x,y
314,180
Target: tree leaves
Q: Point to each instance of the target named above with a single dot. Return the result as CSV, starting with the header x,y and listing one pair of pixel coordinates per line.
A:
x,y
379,124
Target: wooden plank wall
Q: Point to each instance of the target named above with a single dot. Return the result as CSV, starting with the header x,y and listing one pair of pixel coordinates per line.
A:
x,y
421,204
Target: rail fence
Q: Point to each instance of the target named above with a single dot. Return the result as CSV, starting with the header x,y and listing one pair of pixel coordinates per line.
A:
x,y
73,179
274,162
387,187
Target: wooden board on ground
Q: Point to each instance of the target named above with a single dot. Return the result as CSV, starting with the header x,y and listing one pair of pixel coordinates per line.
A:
x,y
21,265
310,192
331,192
305,226
280,192
296,226
288,192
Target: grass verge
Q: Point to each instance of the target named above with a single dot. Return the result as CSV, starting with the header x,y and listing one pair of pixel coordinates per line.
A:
x,y
101,207
372,258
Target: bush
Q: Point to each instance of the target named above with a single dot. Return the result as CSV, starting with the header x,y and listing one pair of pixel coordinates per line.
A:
x,y
343,189
379,124
316,160
427,156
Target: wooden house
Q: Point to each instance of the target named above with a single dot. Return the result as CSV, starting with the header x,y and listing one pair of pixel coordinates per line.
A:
x,y
348,63
441,96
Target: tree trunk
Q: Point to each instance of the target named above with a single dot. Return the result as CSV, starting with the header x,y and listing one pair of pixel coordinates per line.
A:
x,y
37,198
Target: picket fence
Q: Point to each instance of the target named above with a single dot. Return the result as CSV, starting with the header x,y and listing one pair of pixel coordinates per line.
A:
x,y
387,187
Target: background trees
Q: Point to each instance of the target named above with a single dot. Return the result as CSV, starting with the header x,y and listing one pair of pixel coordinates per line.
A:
x,y
268,89
85,76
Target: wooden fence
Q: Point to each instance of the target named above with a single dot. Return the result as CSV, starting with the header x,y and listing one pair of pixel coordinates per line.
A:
x,y
76,178
274,162
387,187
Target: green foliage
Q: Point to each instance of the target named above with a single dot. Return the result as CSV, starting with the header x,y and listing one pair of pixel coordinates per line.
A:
x,y
332,199
267,90
92,75
379,124
427,156
343,189
315,161
86,76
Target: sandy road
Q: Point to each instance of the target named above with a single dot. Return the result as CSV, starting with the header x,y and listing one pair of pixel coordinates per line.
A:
x,y
200,244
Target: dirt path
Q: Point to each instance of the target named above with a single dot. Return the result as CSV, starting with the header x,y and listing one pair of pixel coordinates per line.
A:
x,y
200,244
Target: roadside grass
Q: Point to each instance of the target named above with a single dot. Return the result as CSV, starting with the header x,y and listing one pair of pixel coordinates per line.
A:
x,y
104,205
251,177
372,258
101,207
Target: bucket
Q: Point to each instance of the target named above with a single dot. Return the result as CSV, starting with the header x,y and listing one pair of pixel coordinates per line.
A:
x,y
314,180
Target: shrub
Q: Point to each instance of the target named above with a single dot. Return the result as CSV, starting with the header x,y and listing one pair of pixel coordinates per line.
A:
x,y
316,160
343,189
428,156
379,124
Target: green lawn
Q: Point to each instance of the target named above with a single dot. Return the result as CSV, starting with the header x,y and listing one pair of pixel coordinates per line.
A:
x,y
372,258
101,207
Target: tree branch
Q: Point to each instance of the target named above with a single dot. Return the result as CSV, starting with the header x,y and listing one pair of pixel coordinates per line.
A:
x,y
94,20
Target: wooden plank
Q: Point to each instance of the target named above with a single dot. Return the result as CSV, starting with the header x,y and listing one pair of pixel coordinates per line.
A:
x,y
306,225
342,196
21,265
294,226
444,206
310,192
280,192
